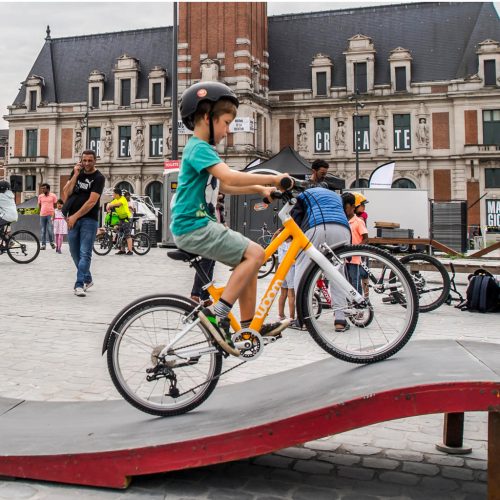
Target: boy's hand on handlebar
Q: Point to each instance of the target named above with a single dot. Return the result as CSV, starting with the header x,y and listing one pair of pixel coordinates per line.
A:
x,y
266,193
279,178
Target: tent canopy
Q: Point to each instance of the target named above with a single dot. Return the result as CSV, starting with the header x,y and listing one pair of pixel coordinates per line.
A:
x,y
289,161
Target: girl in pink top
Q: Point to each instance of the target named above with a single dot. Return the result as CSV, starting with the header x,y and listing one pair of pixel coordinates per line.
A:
x,y
60,226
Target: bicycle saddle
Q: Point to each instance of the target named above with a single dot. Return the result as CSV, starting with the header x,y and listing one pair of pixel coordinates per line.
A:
x,y
182,255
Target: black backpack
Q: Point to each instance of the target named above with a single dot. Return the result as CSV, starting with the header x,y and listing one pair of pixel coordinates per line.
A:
x,y
483,293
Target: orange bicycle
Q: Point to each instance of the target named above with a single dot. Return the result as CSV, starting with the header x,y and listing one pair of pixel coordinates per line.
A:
x,y
165,357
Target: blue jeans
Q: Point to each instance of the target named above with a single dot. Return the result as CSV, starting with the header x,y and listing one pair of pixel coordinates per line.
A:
x,y
46,226
81,239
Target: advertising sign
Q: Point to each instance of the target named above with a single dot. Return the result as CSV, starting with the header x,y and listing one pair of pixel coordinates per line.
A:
x,y
170,164
243,124
493,216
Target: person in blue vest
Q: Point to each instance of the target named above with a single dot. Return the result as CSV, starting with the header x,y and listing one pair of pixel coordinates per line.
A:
x,y
320,214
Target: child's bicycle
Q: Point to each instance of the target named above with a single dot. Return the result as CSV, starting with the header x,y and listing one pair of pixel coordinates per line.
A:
x,y
110,236
165,357
21,246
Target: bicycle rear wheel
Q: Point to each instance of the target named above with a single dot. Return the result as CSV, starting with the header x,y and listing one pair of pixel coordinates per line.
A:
x,y
378,329
23,246
431,279
103,244
136,337
141,243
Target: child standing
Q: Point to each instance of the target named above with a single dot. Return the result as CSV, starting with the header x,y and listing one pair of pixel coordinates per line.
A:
x,y
287,287
60,226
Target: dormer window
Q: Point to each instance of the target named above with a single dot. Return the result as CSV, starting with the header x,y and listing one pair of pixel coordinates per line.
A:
x,y
94,101
489,62
125,92
400,64
126,75
34,86
360,64
33,100
96,89
157,78
321,75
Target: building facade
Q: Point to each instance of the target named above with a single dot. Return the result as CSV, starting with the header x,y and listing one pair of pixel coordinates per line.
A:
x,y
426,78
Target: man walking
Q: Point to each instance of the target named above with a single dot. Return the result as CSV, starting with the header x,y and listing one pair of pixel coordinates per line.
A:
x,y
82,194
46,204
318,176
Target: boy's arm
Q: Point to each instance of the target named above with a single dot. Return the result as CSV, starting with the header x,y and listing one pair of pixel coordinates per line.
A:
x,y
234,179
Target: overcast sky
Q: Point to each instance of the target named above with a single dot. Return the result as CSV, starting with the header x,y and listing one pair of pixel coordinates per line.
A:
x,y
23,25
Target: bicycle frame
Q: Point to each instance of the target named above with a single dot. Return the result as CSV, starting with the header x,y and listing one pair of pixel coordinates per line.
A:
x,y
300,242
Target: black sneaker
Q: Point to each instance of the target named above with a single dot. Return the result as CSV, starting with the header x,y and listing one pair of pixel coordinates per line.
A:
x,y
274,329
129,253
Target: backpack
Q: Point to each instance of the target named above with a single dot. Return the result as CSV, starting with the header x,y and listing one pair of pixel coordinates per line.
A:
x,y
483,293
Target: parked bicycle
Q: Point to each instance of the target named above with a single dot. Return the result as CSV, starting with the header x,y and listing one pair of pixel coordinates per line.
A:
x,y
165,357
264,240
111,237
21,246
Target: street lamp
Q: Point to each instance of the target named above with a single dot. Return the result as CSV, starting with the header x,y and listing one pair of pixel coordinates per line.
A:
x,y
357,105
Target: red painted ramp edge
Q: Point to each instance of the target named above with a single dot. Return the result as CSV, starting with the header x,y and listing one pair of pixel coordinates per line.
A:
x,y
114,469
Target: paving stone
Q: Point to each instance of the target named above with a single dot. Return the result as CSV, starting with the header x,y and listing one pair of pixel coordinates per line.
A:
x,y
361,450
309,492
438,484
380,463
322,445
476,464
357,473
398,477
475,488
404,455
445,460
268,487
339,458
225,494
420,468
457,473
313,467
482,476
299,453
14,489
274,461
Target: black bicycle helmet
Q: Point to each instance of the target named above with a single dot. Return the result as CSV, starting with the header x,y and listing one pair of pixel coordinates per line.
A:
x,y
203,91
4,186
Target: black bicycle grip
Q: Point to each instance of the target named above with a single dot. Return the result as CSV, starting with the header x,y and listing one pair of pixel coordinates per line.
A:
x,y
287,183
275,195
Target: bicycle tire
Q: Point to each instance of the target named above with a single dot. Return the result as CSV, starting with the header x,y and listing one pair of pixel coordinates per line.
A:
x,y
141,243
103,244
141,352
368,342
18,244
268,267
444,285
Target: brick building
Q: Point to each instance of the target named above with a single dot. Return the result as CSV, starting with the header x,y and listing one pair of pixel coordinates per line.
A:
x,y
428,76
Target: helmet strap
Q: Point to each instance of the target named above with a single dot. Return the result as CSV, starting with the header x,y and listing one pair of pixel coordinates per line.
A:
x,y
211,141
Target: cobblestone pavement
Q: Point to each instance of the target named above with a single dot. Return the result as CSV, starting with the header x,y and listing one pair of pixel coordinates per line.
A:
x,y
51,345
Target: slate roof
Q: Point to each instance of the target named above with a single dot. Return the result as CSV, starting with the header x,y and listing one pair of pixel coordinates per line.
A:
x,y
442,38
75,57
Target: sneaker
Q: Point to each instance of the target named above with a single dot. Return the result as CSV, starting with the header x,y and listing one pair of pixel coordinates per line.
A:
x,y
296,325
42,247
129,253
86,286
80,292
339,328
120,252
53,245
274,329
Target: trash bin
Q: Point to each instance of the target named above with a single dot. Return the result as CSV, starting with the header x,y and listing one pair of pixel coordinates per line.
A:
x,y
149,228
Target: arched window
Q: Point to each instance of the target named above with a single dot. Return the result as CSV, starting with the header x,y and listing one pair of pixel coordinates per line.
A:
x,y
125,186
404,184
155,192
363,183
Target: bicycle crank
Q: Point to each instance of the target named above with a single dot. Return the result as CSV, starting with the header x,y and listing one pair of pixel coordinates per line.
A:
x,y
249,342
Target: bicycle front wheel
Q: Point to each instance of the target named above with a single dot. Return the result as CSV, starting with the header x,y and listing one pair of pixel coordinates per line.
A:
x,y
158,386
431,280
141,243
23,246
103,244
376,330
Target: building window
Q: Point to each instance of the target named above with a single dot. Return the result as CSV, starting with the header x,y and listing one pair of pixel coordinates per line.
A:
x,y
363,183
155,193
125,140
125,92
362,135
322,135
30,183
321,83
33,95
156,140
125,186
490,72
492,178
402,133
400,79
156,93
95,97
404,184
491,127
95,140
31,143
360,78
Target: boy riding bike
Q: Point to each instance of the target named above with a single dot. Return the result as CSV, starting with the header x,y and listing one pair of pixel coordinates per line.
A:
x,y
208,108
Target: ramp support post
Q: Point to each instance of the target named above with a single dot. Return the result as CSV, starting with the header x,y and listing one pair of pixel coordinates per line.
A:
x,y
494,454
453,435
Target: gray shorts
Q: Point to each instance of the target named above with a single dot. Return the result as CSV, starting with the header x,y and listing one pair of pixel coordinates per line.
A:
x,y
289,278
215,241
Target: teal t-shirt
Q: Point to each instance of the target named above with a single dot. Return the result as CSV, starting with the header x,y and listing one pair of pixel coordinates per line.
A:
x,y
197,190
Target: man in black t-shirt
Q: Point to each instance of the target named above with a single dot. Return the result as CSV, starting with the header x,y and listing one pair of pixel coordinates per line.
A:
x,y
82,194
